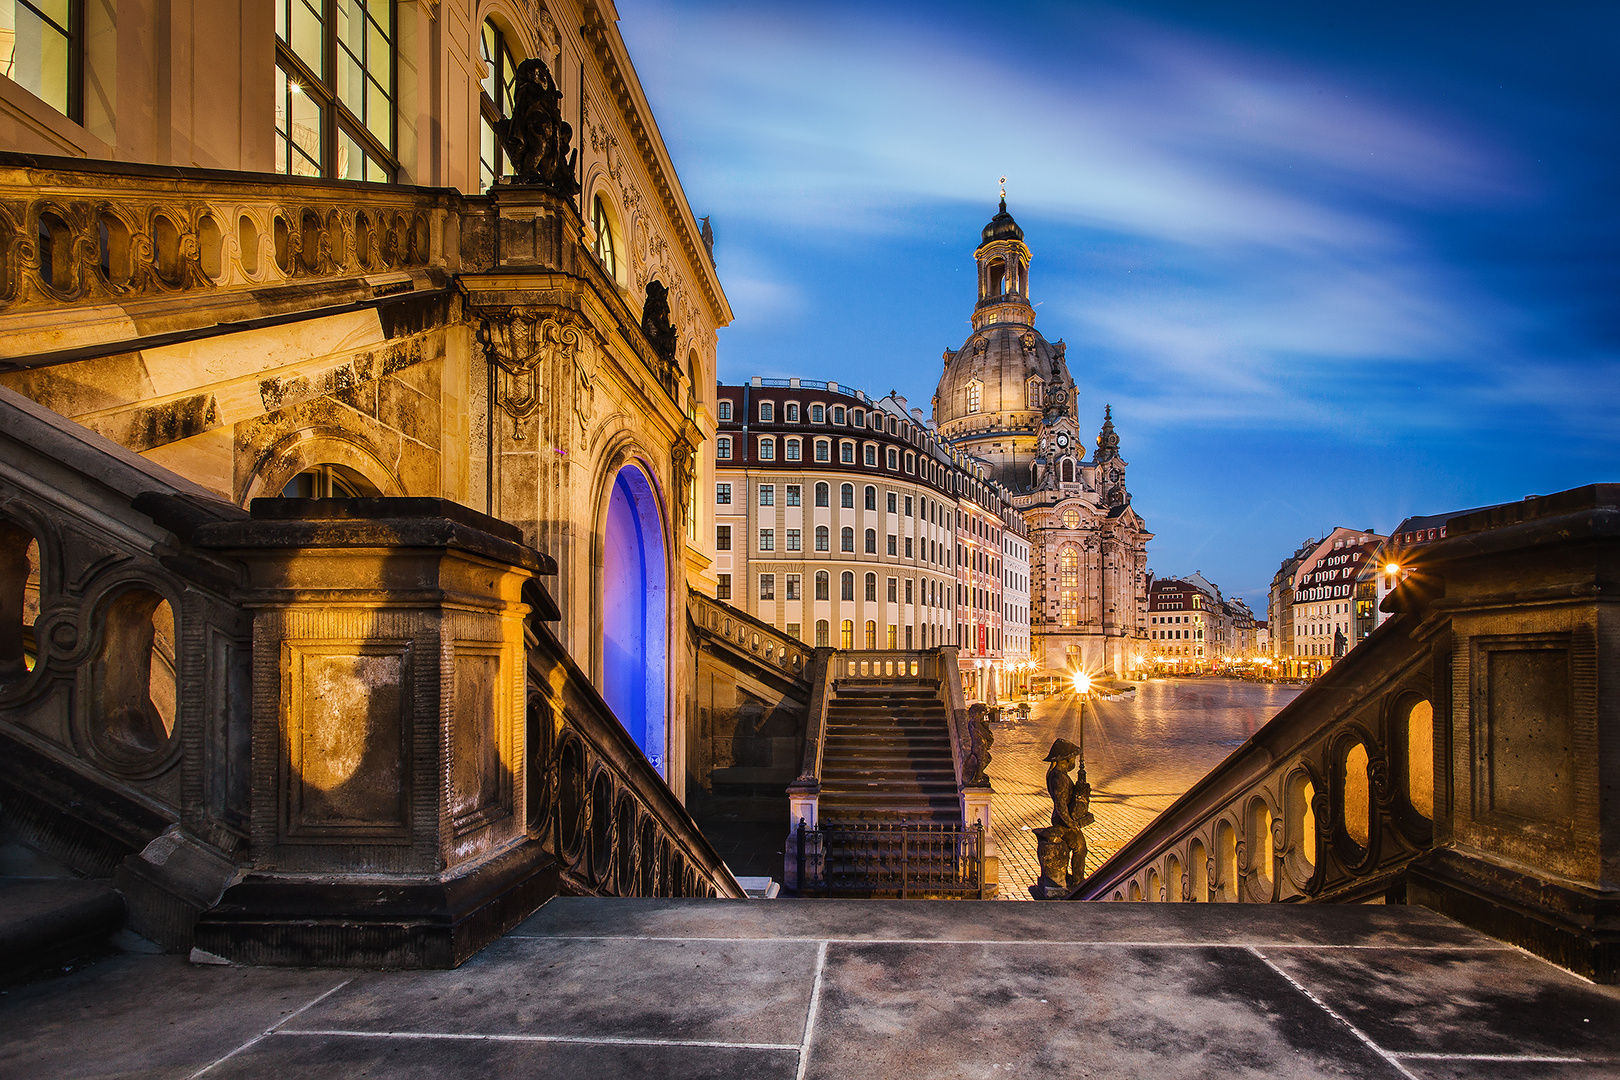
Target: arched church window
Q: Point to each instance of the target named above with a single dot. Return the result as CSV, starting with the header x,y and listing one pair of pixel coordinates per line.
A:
x,y
975,394
329,482
996,278
495,102
1033,390
1068,470
606,242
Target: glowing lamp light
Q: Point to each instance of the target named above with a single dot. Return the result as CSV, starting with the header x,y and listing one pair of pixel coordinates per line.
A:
x,y
1082,683
295,88
1392,568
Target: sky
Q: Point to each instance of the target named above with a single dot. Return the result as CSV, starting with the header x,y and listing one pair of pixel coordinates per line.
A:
x,y
1331,264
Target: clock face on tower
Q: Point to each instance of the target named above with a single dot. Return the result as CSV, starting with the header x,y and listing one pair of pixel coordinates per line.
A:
x,y
1062,440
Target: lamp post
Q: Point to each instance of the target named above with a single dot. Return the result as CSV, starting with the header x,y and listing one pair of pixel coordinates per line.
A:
x,y
1082,686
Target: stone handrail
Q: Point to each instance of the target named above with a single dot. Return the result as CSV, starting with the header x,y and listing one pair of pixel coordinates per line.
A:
x,y
956,713
1451,759
614,825
886,664
740,631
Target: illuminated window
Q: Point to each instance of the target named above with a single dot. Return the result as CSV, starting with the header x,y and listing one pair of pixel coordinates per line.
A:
x,y
40,51
974,394
329,482
1069,585
495,103
334,88
846,635
871,634
606,242
1033,392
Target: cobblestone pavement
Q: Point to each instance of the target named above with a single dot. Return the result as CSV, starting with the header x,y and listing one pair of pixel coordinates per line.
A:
x,y
1141,755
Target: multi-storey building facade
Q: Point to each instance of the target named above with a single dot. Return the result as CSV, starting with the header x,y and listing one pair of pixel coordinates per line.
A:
x,y
834,520
1280,601
1014,589
1006,401
1180,615
1325,597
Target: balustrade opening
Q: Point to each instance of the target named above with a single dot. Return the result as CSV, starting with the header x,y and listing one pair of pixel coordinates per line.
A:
x,y
1357,804
1197,873
1262,849
133,678
1172,880
19,601
1419,754
1226,868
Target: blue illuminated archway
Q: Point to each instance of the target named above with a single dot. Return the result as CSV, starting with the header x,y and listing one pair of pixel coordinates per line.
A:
x,y
635,653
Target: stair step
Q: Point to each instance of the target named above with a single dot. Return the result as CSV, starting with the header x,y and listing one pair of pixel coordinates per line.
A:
x,y
48,922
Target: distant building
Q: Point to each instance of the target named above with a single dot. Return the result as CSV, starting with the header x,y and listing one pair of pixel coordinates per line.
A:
x,y
1280,601
1324,597
1181,616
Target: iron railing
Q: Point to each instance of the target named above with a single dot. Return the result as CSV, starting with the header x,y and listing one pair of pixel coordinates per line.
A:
x,y
864,859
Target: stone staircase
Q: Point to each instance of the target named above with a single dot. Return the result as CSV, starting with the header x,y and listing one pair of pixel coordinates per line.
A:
x,y
888,756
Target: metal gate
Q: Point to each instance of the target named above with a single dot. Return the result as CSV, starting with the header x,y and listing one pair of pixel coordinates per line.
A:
x,y
906,860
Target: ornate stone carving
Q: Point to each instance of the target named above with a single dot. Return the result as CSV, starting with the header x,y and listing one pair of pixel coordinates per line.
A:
x,y
520,344
536,136
655,322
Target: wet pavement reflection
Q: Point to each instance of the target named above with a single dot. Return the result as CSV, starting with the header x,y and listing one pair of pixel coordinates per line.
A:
x,y
1142,753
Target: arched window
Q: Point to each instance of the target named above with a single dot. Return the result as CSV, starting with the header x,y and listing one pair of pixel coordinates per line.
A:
x,y
871,634
871,497
1068,470
1032,391
996,278
838,414
894,459
329,482
791,450
822,491
846,496
871,541
817,414
975,393
495,102
823,450
823,538
606,242
822,634
846,586
846,635
722,409
822,583
846,539
871,587
846,452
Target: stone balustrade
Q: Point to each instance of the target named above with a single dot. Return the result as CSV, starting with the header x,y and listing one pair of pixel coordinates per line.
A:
x,y
743,632
99,240
1452,759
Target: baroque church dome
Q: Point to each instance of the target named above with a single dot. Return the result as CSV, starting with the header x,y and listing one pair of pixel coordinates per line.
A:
x,y
1006,382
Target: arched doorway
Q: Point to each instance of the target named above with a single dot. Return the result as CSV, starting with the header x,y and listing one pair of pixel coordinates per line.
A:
x,y
635,654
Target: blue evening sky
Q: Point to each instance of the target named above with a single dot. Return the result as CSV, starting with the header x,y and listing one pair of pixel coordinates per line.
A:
x,y
1332,264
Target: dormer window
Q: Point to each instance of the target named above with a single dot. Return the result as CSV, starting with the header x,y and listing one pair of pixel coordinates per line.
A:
x,y
790,412
723,409
767,412
818,415
858,418
838,414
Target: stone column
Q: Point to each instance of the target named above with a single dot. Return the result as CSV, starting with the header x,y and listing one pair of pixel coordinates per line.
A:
x,y
388,739
1526,768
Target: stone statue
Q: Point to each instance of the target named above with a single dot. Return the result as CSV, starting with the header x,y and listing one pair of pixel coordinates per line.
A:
x,y
655,322
707,233
982,738
1061,848
535,136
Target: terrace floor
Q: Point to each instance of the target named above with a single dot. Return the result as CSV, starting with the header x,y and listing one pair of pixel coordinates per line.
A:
x,y
852,988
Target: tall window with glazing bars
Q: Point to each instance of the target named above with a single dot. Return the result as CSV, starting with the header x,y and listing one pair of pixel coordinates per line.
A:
x,y
41,50
335,82
495,102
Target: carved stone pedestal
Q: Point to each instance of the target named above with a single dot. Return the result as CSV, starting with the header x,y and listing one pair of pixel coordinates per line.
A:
x,y
388,760
1527,822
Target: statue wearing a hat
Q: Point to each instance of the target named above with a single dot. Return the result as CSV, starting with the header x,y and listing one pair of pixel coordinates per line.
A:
x,y
1062,847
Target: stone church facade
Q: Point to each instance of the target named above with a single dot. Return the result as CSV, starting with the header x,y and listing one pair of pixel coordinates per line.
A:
x,y
1006,399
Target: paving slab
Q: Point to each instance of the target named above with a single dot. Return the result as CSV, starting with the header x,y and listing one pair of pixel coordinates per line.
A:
x,y
146,1016
948,1011
1462,1002
752,992
319,1057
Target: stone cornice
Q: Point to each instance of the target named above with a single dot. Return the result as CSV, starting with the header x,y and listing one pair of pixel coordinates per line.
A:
x,y
597,32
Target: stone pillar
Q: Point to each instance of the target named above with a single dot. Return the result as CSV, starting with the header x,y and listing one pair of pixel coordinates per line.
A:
x,y
1526,773
388,737
977,809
